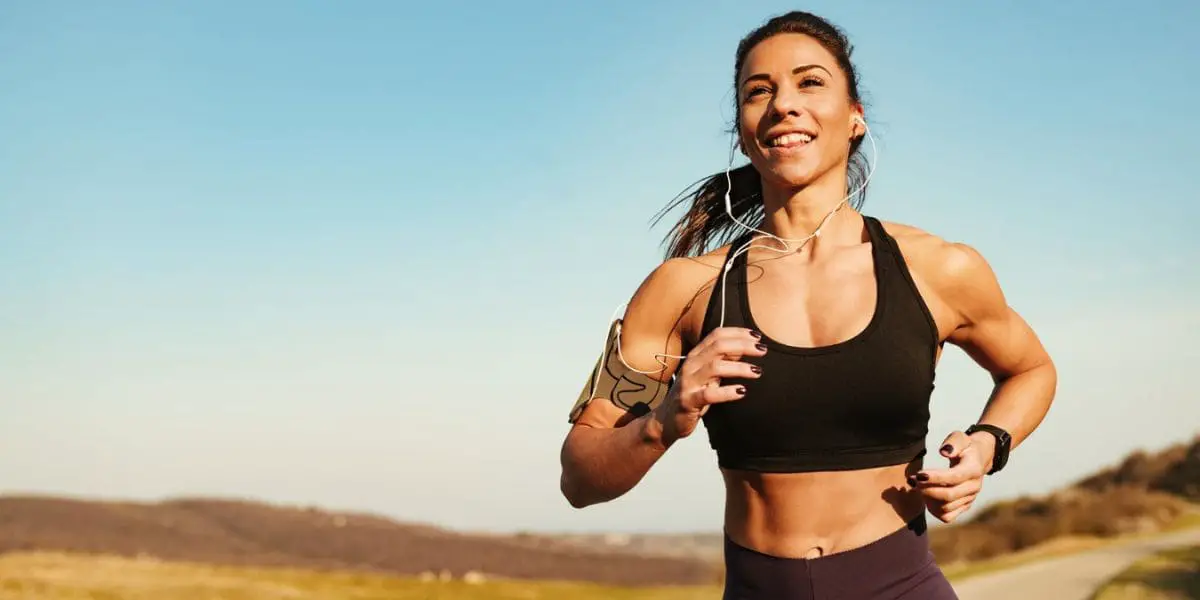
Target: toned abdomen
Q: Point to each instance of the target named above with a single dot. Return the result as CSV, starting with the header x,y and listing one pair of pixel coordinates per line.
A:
x,y
805,515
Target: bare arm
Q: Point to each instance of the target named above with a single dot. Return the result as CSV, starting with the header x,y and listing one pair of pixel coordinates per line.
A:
x,y
608,450
973,314
602,463
999,340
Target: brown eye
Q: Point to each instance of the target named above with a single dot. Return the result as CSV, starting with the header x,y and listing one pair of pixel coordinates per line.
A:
x,y
810,81
755,91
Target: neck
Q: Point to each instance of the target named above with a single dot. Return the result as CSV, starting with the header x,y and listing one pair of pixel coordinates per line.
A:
x,y
795,213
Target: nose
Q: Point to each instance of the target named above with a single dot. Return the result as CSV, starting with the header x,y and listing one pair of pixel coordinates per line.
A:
x,y
787,102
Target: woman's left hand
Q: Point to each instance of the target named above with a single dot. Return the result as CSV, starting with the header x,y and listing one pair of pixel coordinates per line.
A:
x,y
950,492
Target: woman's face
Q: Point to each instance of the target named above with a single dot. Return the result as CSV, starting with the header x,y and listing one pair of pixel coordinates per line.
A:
x,y
795,118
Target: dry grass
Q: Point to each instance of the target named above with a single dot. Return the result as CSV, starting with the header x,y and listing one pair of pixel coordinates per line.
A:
x,y
1169,575
66,576
1059,546
1009,528
252,534
59,576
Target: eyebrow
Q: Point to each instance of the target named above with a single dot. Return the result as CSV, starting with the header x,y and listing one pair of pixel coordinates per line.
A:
x,y
796,71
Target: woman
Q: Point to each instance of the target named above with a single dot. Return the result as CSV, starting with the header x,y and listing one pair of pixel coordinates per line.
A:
x,y
807,345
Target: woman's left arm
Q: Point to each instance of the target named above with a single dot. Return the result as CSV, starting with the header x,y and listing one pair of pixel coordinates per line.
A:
x,y
1002,342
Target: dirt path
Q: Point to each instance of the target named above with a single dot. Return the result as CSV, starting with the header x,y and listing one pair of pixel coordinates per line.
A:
x,y
1073,577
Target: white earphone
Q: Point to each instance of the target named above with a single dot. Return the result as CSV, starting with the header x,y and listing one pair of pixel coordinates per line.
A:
x,y
750,244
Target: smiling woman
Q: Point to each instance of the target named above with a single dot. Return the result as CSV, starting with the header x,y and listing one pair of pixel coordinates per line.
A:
x,y
806,342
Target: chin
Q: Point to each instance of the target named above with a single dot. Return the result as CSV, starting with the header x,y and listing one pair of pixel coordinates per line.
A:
x,y
790,175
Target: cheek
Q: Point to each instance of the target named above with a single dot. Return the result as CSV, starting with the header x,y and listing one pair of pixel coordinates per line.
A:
x,y
745,130
749,120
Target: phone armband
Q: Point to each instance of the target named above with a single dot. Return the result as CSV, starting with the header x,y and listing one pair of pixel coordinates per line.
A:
x,y
611,378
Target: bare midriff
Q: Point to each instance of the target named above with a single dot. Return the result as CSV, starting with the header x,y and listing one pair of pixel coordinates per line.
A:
x,y
809,515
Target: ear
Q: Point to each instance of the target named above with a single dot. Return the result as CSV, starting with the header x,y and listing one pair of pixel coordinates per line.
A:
x,y
741,143
858,124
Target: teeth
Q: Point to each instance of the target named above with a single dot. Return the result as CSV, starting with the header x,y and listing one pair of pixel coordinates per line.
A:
x,y
791,138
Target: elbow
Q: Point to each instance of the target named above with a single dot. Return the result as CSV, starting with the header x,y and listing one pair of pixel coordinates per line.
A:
x,y
570,485
1048,375
572,492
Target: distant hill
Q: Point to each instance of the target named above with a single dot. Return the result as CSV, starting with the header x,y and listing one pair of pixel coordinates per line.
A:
x,y
1145,492
1175,471
248,533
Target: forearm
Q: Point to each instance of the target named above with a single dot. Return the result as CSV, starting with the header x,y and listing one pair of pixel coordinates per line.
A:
x,y
1020,402
601,464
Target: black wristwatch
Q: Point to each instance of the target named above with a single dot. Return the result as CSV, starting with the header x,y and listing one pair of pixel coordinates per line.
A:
x,y
1003,443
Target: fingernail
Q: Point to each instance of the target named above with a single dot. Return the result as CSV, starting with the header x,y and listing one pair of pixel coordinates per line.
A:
x,y
757,369
912,480
947,449
922,477
762,347
756,334
741,390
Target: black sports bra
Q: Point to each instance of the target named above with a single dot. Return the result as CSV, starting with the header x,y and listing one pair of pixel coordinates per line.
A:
x,y
856,404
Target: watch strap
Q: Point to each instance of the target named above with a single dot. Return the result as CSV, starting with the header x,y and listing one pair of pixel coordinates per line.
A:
x,y
1003,443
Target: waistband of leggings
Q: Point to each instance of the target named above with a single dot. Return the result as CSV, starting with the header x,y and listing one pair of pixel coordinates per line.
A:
x,y
908,544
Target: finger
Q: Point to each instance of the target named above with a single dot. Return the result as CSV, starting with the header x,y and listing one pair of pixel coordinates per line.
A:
x,y
954,444
729,348
734,348
940,495
715,394
723,333
951,493
951,516
719,369
960,503
956,475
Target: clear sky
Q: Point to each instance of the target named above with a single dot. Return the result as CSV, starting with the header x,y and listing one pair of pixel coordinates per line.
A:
x,y
362,255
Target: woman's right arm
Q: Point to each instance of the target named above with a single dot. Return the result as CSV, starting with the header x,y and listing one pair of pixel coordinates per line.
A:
x,y
608,449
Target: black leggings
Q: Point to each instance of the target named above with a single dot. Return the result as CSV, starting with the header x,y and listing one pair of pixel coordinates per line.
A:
x,y
895,567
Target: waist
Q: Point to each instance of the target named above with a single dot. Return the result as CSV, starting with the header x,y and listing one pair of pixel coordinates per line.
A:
x,y
798,460
804,515
896,564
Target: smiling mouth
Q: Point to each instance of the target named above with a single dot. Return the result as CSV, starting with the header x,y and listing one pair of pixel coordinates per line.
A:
x,y
790,141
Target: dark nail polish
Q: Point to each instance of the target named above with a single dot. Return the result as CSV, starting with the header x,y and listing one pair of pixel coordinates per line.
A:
x,y
912,481
757,369
947,449
756,334
741,390
762,347
922,477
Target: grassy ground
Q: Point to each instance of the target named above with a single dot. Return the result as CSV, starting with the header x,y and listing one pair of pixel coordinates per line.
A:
x,y
1057,547
52,576
1169,575
56,576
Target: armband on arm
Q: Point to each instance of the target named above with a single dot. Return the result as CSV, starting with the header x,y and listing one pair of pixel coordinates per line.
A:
x,y
613,379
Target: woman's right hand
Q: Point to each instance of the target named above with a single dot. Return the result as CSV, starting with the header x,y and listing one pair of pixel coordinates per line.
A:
x,y
698,385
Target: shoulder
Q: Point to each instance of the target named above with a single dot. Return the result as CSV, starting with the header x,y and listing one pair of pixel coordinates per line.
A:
x,y
676,280
671,299
939,260
960,276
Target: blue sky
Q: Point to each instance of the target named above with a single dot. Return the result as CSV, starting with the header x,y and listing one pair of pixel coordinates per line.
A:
x,y
363,256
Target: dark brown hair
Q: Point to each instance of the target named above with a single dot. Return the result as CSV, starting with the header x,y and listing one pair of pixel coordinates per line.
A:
x,y
706,224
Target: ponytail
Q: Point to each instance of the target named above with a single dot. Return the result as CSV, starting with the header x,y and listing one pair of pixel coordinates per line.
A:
x,y
706,224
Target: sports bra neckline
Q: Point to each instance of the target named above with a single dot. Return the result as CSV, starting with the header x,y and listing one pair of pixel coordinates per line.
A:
x,y
739,273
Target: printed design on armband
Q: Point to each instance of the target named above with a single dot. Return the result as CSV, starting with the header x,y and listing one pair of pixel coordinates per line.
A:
x,y
625,387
